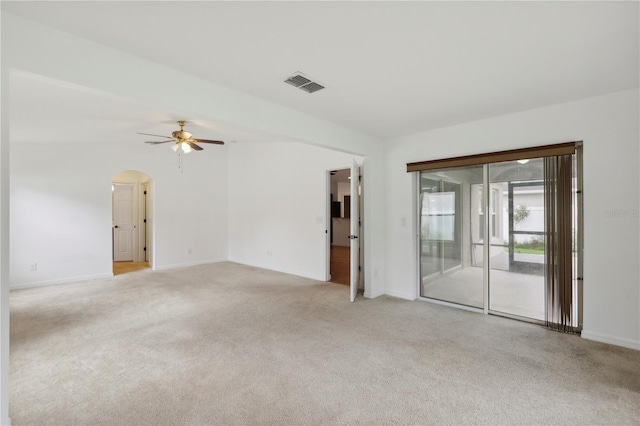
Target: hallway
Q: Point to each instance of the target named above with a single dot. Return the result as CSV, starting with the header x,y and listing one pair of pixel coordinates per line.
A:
x,y
339,266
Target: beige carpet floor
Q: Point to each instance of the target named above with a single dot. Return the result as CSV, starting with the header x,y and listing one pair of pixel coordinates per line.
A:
x,y
231,344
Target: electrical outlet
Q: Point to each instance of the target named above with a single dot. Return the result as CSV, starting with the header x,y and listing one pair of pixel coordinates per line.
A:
x,y
33,267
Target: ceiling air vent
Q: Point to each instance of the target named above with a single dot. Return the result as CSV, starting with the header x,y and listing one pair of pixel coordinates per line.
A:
x,y
303,83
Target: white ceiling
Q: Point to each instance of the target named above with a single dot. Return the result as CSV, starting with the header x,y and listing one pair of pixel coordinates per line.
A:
x,y
390,68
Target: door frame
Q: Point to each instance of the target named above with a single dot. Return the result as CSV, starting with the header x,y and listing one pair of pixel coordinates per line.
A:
x,y
144,235
328,223
146,222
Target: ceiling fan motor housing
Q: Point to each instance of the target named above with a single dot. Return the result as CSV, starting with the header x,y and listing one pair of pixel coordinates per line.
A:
x,y
182,134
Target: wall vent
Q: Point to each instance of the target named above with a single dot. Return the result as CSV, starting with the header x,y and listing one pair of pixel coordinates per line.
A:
x,y
303,83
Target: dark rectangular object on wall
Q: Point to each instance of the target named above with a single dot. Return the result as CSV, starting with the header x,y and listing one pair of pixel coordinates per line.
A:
x,y
347,206
335,209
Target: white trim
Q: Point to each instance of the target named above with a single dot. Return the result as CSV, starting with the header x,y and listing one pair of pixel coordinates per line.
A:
x,y
400,295
417,222
270,268
486,238
60,281
373,295
187,264
604,338
328,223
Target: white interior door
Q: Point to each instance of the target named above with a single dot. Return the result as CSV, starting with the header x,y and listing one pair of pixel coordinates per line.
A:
x,y
123,225
355,228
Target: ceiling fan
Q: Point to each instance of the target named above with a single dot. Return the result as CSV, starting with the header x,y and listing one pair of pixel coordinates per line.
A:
x,y
183,141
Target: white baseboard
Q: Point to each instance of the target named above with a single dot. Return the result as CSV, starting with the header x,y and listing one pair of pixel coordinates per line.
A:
x,y
186,265
400,295
99,276
284,271
373,295
612,340
61,281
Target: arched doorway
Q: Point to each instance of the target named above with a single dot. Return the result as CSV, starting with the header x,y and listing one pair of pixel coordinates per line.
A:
x,y
132,230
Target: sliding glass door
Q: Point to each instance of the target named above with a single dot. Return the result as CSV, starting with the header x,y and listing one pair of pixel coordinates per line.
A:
x,y
447,246
501,235
517,261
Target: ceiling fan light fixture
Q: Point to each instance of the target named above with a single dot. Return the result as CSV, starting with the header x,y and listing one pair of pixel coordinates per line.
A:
x,y
181,148
182,141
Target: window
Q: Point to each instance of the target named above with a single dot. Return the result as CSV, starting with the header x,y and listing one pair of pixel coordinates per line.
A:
x,y
439,211
495,230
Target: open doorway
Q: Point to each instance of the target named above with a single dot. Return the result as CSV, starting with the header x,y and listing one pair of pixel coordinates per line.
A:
x,y
339,226
131,221
344,242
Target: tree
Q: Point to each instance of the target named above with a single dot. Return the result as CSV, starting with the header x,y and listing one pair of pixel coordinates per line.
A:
x,y
520,213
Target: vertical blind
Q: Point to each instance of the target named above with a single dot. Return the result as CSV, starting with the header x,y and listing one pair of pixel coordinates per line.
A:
x,y
558,242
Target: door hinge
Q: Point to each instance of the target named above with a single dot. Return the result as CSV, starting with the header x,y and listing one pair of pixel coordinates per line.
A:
x,y
145,192
145,249
145,221
360,268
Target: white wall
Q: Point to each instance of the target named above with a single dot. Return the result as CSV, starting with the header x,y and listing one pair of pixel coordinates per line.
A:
x,y
278,195
61,208
609,127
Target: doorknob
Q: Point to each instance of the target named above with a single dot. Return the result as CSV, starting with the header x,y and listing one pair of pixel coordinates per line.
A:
x,y
116,226
353,237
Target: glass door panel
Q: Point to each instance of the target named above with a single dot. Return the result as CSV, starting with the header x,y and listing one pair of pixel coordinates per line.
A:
x,y
449,267
516,232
